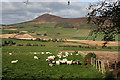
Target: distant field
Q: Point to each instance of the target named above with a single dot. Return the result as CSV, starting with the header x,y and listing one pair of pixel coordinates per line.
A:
x,y
66,33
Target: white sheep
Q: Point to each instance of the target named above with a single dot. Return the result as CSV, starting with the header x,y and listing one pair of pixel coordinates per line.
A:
x,y
58,62
69,62
77,54
62,61
47,52
64,56
10,53
65,60
34,53
35,57
51,64
51,57
42,52
14,61
47,59
59,56
71,54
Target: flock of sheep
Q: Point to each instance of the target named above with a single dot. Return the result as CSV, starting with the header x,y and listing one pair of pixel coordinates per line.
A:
x,y
51,59
61,56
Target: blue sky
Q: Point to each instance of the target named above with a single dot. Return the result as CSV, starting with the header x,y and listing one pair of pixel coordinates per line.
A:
x,y
15,11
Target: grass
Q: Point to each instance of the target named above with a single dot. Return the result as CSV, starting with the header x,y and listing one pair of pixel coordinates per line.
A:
x,y
27,67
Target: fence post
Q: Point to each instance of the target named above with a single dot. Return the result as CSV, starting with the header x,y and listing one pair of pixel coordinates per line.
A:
x,y
91,61
108,65
103,66
99,64
96,63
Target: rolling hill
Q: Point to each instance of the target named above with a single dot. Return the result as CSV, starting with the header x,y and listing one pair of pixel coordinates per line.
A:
x,y
48,18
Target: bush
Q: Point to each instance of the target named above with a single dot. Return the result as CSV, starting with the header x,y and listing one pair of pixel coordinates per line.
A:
x,y
88,57
28,44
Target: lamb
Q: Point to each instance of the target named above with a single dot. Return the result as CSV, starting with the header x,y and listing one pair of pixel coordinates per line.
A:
x,y
10,53
35,57
69,62
58,62
14,61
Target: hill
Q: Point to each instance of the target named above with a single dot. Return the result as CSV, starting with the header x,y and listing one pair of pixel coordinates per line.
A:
x,y
48,18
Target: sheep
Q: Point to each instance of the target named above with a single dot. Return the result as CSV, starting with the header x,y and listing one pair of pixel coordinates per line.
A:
x,y
35,57
47,59
51,64
65,60
10,53
69,62
62,61
58,62
51,57
34,53
77,54
59,56
42,52
14,61
64,56
47,52
71,54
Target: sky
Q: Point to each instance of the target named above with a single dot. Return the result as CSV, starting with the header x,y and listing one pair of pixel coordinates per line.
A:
x,y
16,11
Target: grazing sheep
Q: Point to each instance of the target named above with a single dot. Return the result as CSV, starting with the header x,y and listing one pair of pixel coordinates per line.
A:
x,y
42,52
71,54
64,56
62,61
34,53
51,57
77,54
10,53
47,59
35,57
47,52
69,62
58,62
59,56
65,60
14,61
51,64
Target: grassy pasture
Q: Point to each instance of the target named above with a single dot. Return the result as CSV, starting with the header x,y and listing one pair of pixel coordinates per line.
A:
x,y
27,67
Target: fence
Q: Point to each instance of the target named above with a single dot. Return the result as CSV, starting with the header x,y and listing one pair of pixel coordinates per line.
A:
x,y
98,64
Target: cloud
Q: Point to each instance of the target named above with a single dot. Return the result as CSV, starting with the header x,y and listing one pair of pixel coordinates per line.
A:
x,y
15,12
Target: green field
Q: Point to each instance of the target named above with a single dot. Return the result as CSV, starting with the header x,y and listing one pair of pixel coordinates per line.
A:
x,y
27,67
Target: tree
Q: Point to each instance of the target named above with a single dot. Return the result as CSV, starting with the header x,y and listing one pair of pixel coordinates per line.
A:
x,y
106,16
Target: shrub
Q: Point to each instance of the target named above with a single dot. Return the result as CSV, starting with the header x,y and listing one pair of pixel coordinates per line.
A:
x,y
88,57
